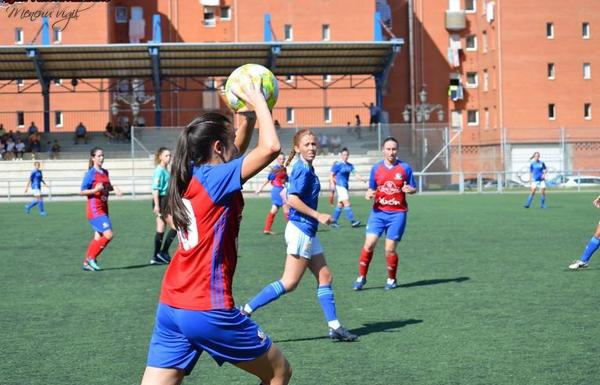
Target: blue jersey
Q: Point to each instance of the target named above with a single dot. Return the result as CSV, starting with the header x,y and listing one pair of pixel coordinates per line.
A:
x,y
537,169
36,179
342,171
304,183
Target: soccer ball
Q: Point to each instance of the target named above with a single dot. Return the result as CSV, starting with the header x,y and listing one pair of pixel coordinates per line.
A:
x,y
269,85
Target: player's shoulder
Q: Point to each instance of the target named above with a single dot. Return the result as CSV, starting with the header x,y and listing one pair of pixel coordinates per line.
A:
x,y
404,164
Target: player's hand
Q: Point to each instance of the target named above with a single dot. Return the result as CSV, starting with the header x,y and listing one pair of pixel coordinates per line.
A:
x,y
324,218
597,202
408,189
370,194
26,191
99,187
156,210
250,92
257,191
118,191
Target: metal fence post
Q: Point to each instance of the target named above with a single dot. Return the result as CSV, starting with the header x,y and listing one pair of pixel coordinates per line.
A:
x,y
8,190
50,190
132,161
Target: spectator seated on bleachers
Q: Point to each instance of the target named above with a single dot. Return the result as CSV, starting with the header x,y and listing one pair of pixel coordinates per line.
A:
x,y
32,129
35,142
19,149
10,148
336,144
55,150
323,144
81,133
109,132
2,150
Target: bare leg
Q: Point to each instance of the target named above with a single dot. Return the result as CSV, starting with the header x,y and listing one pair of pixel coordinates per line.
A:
x,y
272,367
162,376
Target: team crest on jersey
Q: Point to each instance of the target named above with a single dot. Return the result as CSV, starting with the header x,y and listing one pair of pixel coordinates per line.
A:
x,y
261,335
389,188
105,225
398,176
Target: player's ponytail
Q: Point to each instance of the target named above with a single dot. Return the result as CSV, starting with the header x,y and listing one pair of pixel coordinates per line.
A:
x,y
534,154
194,148
296,141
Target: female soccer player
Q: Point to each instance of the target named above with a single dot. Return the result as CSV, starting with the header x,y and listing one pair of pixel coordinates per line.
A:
x,y
591,247
196,312
96,186
35,181
340,174
303,247
537,176
278,178
160,183
391,179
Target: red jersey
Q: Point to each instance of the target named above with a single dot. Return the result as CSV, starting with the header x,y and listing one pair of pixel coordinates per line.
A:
x,y
278,176
387,183
200,275
97,204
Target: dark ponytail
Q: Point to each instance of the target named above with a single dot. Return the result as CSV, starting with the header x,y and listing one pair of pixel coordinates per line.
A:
x,y
193,149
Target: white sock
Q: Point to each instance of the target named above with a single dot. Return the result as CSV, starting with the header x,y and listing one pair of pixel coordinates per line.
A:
x,y
335,324
390,281
247,309
360,278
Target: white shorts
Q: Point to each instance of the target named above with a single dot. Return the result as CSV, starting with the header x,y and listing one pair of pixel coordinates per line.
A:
x,y
538,184
301,244
342,193
36,192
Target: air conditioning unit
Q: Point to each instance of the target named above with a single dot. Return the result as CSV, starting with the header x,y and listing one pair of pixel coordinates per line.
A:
x,y
456,20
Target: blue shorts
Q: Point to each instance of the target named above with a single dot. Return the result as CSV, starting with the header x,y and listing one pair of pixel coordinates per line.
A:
x,y
101,224
180,336
276,196
393,223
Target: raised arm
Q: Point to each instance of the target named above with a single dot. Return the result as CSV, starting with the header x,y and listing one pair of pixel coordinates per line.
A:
x,y
268,146
243,135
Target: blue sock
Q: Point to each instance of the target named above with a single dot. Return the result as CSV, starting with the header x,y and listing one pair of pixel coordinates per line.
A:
x,y
591,247
41,206
325,294
543,201
267,295
349,213
336,214
32,204
529,200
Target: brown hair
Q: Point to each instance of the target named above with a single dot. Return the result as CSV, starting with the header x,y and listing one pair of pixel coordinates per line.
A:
x,y
93,152
158,154
295,141
533,156
193,149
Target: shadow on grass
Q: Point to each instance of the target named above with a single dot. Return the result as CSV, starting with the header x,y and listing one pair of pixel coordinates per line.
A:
x,y
424,282
368,328
130,267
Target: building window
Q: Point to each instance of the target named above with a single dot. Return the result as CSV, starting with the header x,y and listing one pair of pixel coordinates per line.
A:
x,y
209,17
585,30
486,80
19,36
551,111
456,119
472,117
587,71
289,114
121,15
289,78
20,119
472,80
485,41
471,42
550,71
57,35
470,6
20,83
58,118
288,32
325,32
225,13
487,118
327,78
587,111
327,114
550,30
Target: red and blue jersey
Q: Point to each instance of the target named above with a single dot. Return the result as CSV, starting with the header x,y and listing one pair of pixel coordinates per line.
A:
x,y
97,203
342,171
200,275
387,183
36,179
278,176
305,184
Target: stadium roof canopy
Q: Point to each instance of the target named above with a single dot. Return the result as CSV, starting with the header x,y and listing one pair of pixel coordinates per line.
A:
x,y
168,60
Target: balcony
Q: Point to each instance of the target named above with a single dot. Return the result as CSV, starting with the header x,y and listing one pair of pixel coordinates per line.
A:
x,y
456,20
